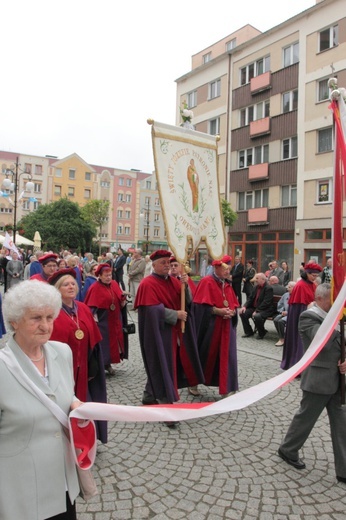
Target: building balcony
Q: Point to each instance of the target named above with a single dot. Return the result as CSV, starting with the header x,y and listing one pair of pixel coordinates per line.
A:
x,y
258,172
260,127
260,83
257,216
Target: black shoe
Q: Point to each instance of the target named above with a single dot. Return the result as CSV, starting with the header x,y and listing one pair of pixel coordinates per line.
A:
x,y
248,335
341,479
262,336
298,464
149,400
171,424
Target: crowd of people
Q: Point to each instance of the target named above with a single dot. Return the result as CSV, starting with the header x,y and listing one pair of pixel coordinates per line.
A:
x,y
67,316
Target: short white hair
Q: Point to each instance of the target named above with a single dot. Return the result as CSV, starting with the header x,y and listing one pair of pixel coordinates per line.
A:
x,y
29,295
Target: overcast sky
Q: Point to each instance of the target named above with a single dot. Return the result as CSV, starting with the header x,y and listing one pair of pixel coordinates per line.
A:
x,y
85,75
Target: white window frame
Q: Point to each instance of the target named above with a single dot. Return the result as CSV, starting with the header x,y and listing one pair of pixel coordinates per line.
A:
x,y
119,213
324,191
253,69
321,147
290,54
127,230
121,181
289,193
192,99
148,185
251,198
156,232
37,187
128,197
72,174
322,90
206,58
292,143
214,89
231,44
249,156
215,122
87,193
291,101
87,176
58,172
333,38
129,183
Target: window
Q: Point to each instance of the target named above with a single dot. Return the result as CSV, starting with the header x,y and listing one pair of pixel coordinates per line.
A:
x,y
120,213
214,126
157,217
27,168
256,155
148,185
26,205
214,89
147,201
87,194
207,57
105,184
231,44
70,191
253,199
254,69
246,116
156,232
71,174
192,99
324,191
36,204
119,229
289,101
129,183
7,210
323,90
291,54
127,230
87,176
120,197
38,169
329,38
104,235
57,191
121,181
128,197
127,213
157,202
37,187
58,172
261,110
289,195
325,140
289,148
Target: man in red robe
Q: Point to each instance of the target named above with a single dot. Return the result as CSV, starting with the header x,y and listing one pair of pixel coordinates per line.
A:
x,y
170,357
215,310
49,263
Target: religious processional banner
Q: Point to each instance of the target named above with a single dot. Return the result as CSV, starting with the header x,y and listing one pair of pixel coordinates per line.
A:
x,y
186,165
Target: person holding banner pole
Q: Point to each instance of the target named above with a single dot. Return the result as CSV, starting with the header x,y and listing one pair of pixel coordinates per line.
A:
x,y
215,311
320,383
170,357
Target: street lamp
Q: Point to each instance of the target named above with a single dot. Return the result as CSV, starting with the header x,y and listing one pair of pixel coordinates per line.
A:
x,y
147,223
13,185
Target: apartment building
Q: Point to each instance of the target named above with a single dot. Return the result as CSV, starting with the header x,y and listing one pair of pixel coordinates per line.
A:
x,y
276,133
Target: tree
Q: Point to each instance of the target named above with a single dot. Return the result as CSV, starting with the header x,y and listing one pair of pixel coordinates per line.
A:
x,y
96,213
229,216
61,225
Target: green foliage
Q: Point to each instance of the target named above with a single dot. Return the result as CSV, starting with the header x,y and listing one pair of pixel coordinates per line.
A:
x,y
229,216
61,225
96,212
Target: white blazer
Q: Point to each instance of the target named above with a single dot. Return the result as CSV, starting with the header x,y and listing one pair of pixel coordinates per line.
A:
x,y
36,463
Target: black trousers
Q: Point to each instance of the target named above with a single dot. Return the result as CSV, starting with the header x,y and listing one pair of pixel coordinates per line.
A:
x,y
69,514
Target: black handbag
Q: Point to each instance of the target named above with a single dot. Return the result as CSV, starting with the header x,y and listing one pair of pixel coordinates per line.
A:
x,y
130,328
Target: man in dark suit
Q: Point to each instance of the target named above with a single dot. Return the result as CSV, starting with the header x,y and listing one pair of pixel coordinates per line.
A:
x,y
258,307
118,269
277,271
320,383
237,273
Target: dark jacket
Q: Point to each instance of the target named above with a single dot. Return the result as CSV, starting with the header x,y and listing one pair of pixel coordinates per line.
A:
x,y
265,303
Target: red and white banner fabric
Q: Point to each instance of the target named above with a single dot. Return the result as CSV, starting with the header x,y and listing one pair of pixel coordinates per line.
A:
x,y
185,411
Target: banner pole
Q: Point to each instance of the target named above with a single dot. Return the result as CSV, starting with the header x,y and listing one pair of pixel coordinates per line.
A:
x,y
182,299
342,359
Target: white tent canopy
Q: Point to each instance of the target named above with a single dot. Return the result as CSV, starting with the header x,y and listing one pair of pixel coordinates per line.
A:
x,y
20,241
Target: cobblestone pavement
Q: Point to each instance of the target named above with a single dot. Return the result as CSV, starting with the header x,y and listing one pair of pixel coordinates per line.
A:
x,y
221,467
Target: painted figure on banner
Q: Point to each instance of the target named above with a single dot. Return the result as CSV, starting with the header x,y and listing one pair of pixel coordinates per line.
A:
x,y
192,177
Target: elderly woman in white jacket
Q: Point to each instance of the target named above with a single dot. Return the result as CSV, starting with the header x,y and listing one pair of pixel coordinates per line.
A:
x,y
38,478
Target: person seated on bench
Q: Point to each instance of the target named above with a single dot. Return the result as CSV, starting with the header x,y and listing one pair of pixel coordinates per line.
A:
x,y
259,306
278,290
281,318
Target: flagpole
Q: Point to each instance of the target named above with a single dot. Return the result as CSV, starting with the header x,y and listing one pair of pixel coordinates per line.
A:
x,y
342,359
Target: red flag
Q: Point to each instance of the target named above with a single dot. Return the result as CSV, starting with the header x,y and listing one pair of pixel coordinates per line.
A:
x,y
339,189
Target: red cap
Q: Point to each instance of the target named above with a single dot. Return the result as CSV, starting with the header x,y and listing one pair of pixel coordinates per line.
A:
x,y
226,259
311,267
173,259
52,280
49,257
102,267
217,262
161,253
